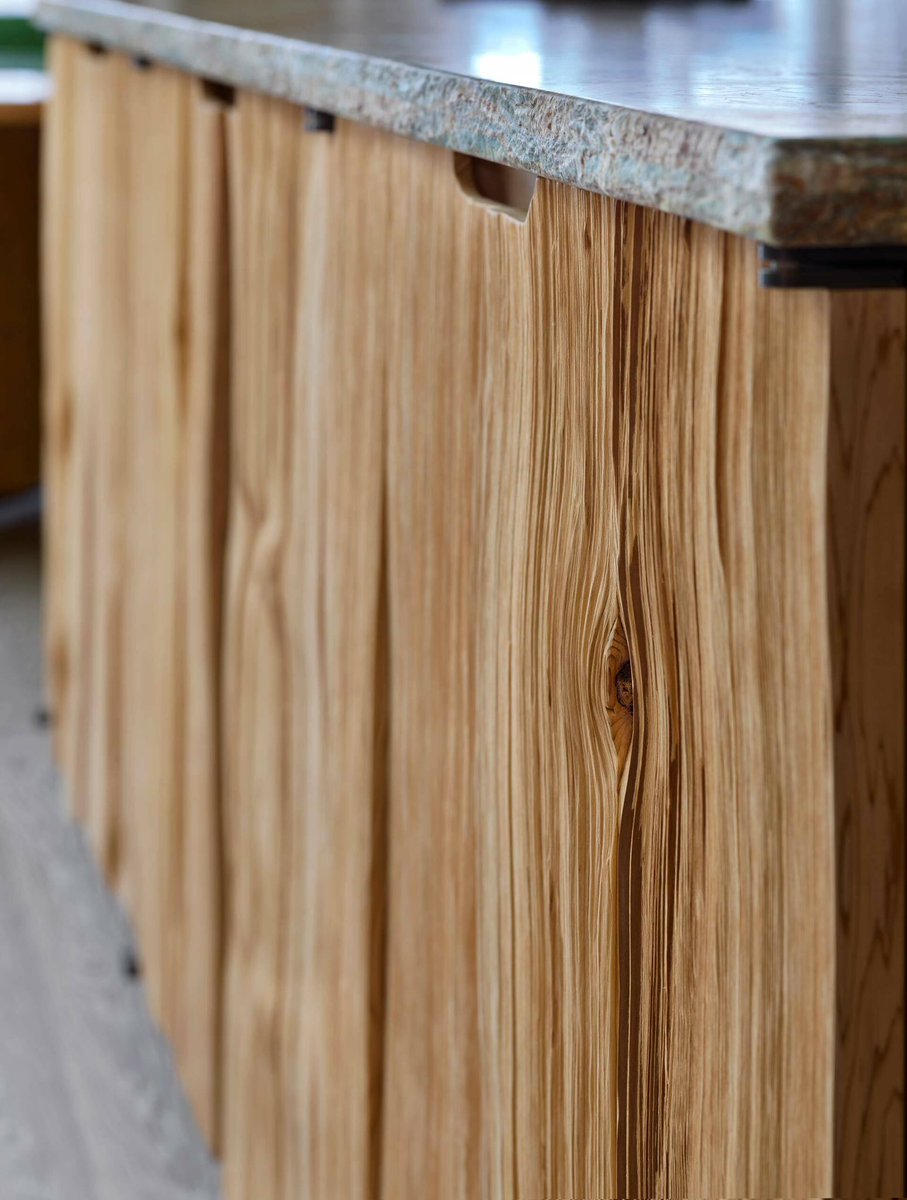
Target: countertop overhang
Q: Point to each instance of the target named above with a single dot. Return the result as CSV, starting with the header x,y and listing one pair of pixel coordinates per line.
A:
x,y
780,120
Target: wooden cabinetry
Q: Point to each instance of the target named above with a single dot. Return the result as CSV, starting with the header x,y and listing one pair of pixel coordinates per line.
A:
x,y
20,375
477,639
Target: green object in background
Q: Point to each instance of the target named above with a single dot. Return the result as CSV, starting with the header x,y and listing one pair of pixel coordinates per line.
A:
x,y
19,33
21,43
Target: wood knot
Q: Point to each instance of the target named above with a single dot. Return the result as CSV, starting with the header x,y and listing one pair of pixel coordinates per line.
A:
x,y
620,699
623,684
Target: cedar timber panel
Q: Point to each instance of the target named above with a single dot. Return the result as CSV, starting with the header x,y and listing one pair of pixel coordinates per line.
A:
x,y
503,799
135,456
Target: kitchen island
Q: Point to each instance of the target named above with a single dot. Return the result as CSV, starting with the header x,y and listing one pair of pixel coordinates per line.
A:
x,y
475,451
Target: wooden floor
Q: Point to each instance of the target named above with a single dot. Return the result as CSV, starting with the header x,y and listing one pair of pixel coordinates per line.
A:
x,y
90,1106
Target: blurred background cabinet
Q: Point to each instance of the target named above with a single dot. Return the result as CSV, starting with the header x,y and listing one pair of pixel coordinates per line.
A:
x,y
23,89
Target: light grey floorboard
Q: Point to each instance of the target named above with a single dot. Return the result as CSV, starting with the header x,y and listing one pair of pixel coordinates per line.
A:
x,y
90,1105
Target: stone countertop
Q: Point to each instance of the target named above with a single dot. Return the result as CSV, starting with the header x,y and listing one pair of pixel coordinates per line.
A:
x,y
782,120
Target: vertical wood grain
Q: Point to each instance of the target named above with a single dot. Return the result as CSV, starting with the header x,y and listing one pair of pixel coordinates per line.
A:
x,y
302,715
61,538
177,402
604,426
502,1001
728,846
136,404
197,965
152,716
867,607
87,440
562,618
257,697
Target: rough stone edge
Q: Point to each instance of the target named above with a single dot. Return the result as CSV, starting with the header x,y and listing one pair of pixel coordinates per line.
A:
x,y
784,191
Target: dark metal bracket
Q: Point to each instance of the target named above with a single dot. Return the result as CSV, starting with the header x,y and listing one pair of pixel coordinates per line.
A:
x,y
836,268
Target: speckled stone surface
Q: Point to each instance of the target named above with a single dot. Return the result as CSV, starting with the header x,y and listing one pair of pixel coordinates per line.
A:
x,y
782,120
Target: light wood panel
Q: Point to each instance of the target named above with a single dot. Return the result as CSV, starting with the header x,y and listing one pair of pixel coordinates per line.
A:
x,y
136,451
62,540
177,461
570,452
867,608
727,843
501,1044
85,240
524,699
302,711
